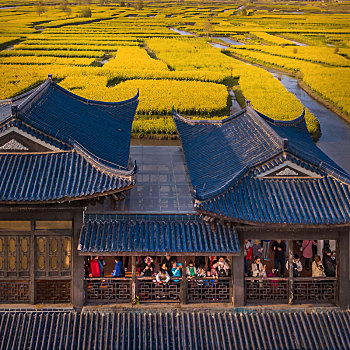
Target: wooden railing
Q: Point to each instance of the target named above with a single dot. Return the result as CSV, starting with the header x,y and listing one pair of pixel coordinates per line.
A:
x,y
315,290
148,290
298,290
107,290
259,290
209,290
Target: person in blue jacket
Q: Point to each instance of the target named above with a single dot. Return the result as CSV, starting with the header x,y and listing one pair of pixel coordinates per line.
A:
x,y
118,268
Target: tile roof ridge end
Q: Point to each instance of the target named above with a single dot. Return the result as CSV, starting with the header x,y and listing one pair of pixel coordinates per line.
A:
x,y
35,94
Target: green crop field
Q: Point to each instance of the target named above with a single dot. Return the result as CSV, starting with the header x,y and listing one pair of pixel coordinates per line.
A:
x,y
184,54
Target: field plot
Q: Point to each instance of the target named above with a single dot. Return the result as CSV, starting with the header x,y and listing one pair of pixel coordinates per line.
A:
x,y
109,52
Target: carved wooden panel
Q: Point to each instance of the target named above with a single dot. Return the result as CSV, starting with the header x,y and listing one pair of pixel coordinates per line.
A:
x,y
314,290
14,291
53,256
108,290
208,290
14,256
266,291
53,291
148,290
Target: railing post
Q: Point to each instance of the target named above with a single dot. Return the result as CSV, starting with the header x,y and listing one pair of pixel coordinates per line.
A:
x,y
290,273
183,282
133,278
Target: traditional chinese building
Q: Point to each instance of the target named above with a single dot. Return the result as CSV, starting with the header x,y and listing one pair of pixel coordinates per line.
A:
x,y
70,191
58,153
269,180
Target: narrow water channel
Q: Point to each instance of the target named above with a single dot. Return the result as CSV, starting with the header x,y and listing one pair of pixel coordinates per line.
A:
x,y
335,138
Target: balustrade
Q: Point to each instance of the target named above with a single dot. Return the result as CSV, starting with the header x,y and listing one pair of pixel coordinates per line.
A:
x,y
209,290
107,290
314,290
299,290
260,290
148,290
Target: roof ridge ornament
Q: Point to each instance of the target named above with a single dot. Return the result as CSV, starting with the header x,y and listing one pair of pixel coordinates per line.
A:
x,y
14,111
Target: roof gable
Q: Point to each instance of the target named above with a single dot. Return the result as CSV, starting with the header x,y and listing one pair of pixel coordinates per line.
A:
x,y
288,170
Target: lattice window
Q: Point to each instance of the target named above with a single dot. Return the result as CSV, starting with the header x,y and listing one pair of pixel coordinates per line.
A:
x,y
53,291
53,256
14,291
149,291
14,256
207,290
269,290
107,290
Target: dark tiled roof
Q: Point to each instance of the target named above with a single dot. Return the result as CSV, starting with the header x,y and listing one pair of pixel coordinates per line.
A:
x,y
102,128
197,330
314,201
156,233
225,158
57,176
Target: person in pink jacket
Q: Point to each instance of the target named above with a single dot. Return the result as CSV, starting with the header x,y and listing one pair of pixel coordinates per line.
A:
x,y
307,252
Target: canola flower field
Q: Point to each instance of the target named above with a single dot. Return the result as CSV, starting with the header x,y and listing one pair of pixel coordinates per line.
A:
x,y
169,52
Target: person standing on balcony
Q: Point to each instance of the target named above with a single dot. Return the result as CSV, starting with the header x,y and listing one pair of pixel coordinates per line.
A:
x,y
317,268
118,268
222,267
162,277
176,270
248,255
96,267
279,248
167,260
329,264
190,270
257,249
307,252
296,265
258,269
148,268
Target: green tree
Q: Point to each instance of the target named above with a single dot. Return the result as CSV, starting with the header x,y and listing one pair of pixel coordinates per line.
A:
x,y
40,7
85,12
138,5
208,27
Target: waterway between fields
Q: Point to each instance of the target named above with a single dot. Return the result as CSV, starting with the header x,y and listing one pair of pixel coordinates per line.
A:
x,y
335,138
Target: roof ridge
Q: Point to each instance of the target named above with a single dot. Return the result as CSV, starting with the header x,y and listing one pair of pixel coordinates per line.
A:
x,y
96,162
264,125
294,121
35,94
87,101
218,122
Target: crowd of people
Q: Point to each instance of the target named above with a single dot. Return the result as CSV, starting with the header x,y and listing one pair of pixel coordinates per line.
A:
x,y
257,257
162,269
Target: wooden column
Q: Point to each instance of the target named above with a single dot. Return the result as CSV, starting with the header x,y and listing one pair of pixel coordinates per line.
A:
x,y
133,278
32,287
343,269
238,277
78,264
183,285
290,272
